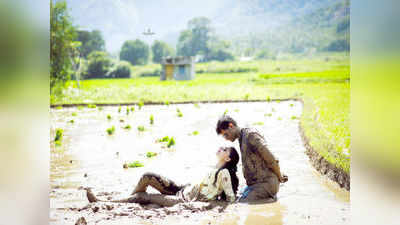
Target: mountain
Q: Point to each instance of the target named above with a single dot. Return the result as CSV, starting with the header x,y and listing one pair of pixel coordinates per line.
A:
x,y
120,20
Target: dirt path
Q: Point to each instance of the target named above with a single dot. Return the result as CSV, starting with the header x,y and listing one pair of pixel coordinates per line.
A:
x,y
306,199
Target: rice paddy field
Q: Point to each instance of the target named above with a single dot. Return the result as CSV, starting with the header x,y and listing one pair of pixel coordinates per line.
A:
x,y
322,83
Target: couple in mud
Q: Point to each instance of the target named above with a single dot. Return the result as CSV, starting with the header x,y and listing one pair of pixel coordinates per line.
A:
x,y
260,169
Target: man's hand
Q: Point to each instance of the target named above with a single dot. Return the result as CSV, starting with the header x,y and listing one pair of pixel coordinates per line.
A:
x,y
284,178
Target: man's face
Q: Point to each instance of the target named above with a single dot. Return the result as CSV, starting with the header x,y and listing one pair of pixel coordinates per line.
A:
x,y
229,133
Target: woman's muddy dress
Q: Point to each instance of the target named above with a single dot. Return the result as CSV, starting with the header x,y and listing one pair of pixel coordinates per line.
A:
x,y
171,193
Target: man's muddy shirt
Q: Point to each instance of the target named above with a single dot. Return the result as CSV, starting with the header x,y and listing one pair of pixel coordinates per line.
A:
x,y
256,157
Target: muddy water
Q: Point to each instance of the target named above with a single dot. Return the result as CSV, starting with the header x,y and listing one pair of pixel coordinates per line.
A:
x,y
89,157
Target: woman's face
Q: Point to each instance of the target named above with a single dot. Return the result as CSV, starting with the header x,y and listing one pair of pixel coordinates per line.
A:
x,y
223,154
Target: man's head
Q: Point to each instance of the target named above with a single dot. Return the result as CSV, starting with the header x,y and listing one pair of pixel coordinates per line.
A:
x,y
227,127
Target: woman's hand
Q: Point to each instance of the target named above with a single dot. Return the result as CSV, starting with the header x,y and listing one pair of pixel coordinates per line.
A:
x,y
284,178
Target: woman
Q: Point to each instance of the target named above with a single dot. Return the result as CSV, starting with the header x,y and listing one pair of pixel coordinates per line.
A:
x,y
220,184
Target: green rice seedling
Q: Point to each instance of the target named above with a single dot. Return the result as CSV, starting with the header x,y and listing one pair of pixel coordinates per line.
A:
x,y
151,154
164,139
194,133
268,99
225,112
197,105
71,121
268,114
247,96
127,127
140,104
119,109
151,119
258,123
133,109
59,134
111,130
59,107
91,106
135,164
179,113
171,142
166,103
294,117
291,105
141,128
127,111
278,101
109,117
74,114
79,107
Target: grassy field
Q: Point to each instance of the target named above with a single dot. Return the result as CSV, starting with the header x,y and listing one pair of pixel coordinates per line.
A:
x,y
322,83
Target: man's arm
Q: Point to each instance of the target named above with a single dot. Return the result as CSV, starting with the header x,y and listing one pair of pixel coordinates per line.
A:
x,y
259,143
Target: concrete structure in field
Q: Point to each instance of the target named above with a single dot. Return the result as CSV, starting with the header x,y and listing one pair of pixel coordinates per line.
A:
x,y
177,68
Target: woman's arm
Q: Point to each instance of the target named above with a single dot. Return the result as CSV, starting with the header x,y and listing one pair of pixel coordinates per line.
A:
x,y
224,179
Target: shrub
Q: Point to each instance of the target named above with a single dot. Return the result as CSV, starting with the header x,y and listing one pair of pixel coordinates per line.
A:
x,y
99,65
121,69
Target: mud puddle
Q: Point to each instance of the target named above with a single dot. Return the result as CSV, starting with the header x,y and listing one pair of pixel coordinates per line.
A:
x,y
89,157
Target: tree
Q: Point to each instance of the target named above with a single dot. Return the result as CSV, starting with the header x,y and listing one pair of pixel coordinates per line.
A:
x,y
218,50
99,64
62,45
194,40
136,52
91,41
160,49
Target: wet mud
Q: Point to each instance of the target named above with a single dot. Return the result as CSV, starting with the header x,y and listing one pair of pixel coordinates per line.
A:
x,y
89,157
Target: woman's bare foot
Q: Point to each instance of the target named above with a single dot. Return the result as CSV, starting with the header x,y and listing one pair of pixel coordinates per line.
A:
x,y
91,197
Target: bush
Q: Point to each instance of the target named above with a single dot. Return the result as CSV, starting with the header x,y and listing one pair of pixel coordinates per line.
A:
x,y
99,64
121,69
136,52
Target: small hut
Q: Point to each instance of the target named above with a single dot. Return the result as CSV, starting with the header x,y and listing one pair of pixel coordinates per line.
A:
x,y
177,68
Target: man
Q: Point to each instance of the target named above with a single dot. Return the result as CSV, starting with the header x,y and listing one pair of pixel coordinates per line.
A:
x,y
260,168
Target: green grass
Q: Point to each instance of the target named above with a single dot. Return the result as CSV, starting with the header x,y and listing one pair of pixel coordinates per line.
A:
x,y
91,106
71,121
164,139
74,114
141,128
171,142
127,127
151,154
109,117
194,133
322,85
59,136
151,119
111,130
135,164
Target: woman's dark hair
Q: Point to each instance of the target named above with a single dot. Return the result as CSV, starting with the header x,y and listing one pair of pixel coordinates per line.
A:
x,y
231,165
223,123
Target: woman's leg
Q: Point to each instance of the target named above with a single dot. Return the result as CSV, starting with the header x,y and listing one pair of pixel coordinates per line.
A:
x,y
141,198
163,185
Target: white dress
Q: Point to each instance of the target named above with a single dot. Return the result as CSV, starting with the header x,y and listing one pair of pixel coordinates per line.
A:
x,y
206,190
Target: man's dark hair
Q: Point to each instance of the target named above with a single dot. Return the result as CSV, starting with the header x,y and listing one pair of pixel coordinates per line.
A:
x,y
223,123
